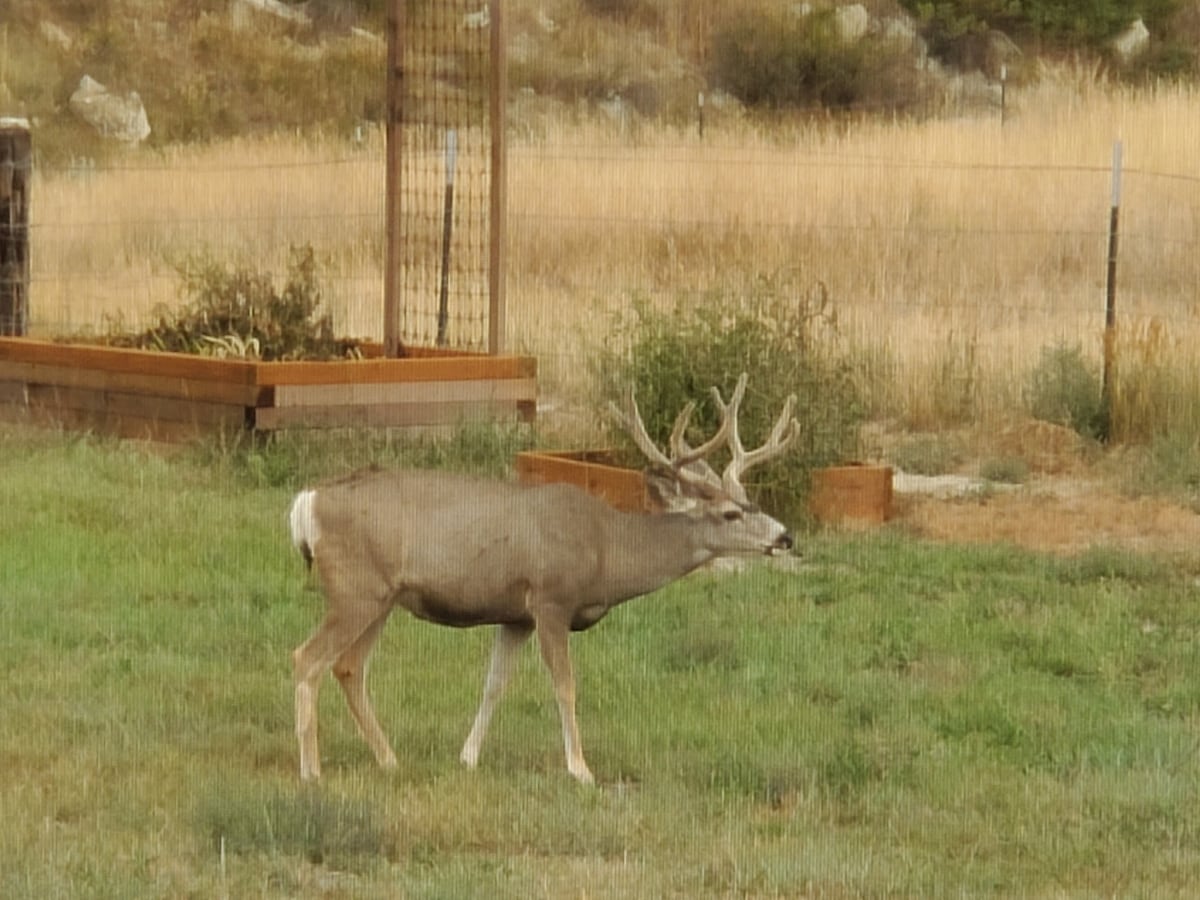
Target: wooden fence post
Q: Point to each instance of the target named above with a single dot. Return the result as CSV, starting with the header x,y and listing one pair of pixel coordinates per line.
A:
x,y
393,254
16,169
498,198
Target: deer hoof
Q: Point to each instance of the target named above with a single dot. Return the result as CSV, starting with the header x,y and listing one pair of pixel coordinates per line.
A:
x,y
584,776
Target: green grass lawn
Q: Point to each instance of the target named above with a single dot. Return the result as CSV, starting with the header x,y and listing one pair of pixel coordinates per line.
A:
x,y
890,718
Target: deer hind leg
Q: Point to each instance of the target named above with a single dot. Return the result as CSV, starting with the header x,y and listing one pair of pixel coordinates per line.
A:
x,y
509,640
552,639
350,669
344,624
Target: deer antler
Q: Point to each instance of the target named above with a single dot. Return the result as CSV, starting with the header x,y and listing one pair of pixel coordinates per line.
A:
x,y
687,462
782,436
690,463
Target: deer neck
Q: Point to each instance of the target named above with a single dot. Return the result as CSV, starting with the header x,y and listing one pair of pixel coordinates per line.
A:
x,y
651,551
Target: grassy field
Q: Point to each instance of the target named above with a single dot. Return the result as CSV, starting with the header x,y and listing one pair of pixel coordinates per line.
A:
x,y
885,718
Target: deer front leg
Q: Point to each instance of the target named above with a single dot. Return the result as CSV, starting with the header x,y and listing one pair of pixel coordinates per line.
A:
x,y
509,640
553,639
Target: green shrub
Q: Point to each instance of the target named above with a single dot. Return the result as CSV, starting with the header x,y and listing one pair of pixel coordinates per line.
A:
x,y
948,24
786,345
782,60
1065,390
927,454
1005,470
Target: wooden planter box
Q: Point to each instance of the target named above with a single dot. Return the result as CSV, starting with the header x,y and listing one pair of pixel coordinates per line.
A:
x,y
853,494
592,470
174,396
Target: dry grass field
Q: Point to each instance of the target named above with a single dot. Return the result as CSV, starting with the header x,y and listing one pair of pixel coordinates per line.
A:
x,y
951,250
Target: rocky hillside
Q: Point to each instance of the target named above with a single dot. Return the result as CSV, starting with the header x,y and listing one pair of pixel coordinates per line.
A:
x,y
93,74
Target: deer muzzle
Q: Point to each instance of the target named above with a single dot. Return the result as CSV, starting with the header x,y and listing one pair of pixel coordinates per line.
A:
x,y
782,544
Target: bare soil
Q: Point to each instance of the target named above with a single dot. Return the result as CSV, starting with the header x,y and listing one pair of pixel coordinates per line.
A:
x,y
1056,515
1068,504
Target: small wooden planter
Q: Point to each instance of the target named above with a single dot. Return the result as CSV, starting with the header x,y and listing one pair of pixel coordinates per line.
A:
x,y
852,495
174,396
595,471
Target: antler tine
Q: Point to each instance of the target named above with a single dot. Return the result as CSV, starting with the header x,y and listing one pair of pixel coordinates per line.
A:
x,y
682,454
631,420
783,435
688,463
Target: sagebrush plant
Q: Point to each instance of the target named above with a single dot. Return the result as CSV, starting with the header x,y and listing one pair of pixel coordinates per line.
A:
x,y
240,311
776,59
1064,388
927,454
784,338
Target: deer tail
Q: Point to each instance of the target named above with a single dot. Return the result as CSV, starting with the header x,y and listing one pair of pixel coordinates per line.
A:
x,y
303,524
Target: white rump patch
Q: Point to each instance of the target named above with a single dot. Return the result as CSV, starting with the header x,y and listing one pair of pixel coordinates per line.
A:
x,y
305,533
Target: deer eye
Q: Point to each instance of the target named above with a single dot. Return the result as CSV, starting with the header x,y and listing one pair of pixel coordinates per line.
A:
x,y
732,515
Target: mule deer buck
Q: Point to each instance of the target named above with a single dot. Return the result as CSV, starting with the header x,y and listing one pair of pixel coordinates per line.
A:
x,y
464,551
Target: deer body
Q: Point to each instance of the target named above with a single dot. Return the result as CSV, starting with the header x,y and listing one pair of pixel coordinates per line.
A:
x,y
463,551
487,549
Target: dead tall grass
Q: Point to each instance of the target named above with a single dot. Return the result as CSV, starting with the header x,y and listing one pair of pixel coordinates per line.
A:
x,y
943,244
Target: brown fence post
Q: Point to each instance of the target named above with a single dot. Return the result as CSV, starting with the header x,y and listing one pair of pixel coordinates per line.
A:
x,y
498,199
394,227
16,169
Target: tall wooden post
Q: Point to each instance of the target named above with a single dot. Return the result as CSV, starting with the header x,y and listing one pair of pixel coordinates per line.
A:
x,y
16,170
498,201
393,257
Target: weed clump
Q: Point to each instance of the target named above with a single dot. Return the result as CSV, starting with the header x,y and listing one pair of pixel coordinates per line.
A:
x,y
240,313
1064,390
783,337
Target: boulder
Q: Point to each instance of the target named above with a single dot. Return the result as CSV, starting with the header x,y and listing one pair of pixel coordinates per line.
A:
x,y
1132,42
852,21
118,116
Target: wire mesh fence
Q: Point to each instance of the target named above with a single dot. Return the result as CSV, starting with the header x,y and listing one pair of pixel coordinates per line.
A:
x,y
910,251
443,154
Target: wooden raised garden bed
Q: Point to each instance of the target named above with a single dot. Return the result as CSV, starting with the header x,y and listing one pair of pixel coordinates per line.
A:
x,y
595,471
853,494
173,396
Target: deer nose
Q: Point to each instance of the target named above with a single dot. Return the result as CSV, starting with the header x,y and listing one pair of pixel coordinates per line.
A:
x,y
785,542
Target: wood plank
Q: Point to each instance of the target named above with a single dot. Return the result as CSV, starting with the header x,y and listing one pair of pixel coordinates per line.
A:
x,y
150,385
383,415
619,487
481,391
140,362
118,404
133,427
419,369
13,392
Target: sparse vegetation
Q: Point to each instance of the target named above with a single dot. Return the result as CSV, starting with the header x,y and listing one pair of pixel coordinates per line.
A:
x,y
928,454
1064,389
1004,470
239,312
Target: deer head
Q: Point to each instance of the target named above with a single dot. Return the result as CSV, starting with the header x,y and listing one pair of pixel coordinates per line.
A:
x,y
684,482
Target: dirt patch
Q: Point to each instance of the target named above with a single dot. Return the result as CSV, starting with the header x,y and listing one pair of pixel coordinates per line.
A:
x,y
1056,515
